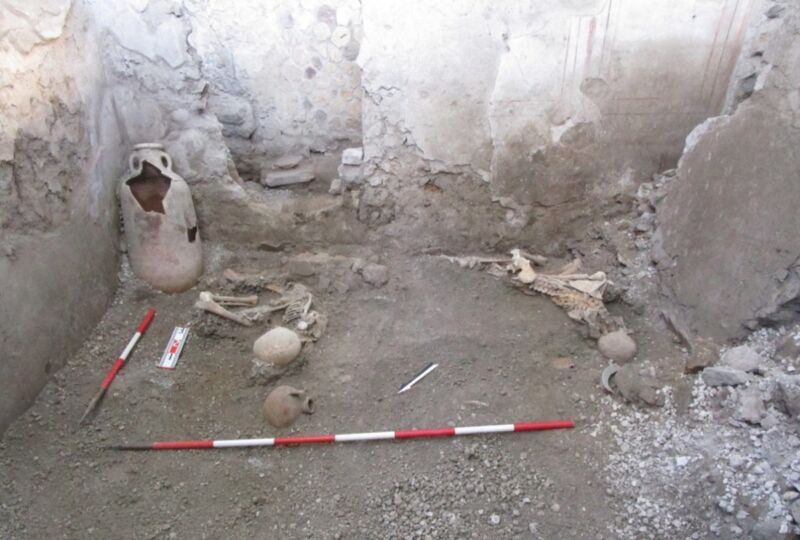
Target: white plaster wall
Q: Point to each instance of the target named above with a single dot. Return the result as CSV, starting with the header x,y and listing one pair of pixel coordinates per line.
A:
x,y
504,87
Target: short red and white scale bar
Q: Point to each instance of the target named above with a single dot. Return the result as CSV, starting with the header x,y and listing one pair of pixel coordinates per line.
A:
x,y
351,437
116,366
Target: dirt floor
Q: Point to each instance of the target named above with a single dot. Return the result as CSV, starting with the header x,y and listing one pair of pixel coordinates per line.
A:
x,y
496,350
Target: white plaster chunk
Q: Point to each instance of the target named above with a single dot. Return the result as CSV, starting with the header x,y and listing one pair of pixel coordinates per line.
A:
x,y
287,177
352,156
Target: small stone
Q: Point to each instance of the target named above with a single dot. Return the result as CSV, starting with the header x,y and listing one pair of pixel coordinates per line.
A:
x,y
352,156
770,420
681,461
351,174
617,346
555,507
769,528
376,275
287,178
562,362
743,358
704,354
637,387
301,268
751,407
794,509
337,186
724,376
736,461
494,519
288,162
790,496
788,394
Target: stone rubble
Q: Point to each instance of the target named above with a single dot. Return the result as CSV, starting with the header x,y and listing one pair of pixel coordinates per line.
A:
x,y
734,452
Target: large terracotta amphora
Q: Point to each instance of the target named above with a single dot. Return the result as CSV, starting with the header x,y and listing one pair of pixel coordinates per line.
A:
x,y
161,231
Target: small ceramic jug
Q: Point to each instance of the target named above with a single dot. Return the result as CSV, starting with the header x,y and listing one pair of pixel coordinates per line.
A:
x,y
284,404
161,231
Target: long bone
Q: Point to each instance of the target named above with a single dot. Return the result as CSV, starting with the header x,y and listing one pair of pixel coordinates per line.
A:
x,y
206,303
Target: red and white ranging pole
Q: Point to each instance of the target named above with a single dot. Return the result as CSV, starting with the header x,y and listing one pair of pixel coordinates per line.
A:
x,y
349,437
106,382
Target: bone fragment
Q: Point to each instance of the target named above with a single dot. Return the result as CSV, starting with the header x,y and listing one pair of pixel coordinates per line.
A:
x,y
207,303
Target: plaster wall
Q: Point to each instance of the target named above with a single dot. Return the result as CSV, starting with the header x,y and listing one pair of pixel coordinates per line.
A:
x,y
58,156
551,104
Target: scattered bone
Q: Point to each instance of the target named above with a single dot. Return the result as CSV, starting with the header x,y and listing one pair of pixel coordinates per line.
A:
x,y
206,303
251,282
315,324
234,300
473,261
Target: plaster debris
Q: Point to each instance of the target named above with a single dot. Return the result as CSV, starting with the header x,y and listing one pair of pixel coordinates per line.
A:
x,y
716,457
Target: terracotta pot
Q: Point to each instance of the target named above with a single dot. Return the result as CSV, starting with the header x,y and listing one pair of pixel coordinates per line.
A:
x,y
164,244
284,404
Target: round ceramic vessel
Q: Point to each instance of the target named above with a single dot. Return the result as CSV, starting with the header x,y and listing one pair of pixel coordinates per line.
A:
x,y
164,245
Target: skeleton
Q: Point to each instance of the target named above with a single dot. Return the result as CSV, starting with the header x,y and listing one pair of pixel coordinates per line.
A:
x,y
580,295
295,300
213,303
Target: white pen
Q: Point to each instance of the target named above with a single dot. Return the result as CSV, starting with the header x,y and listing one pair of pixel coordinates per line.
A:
x,y
418,378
